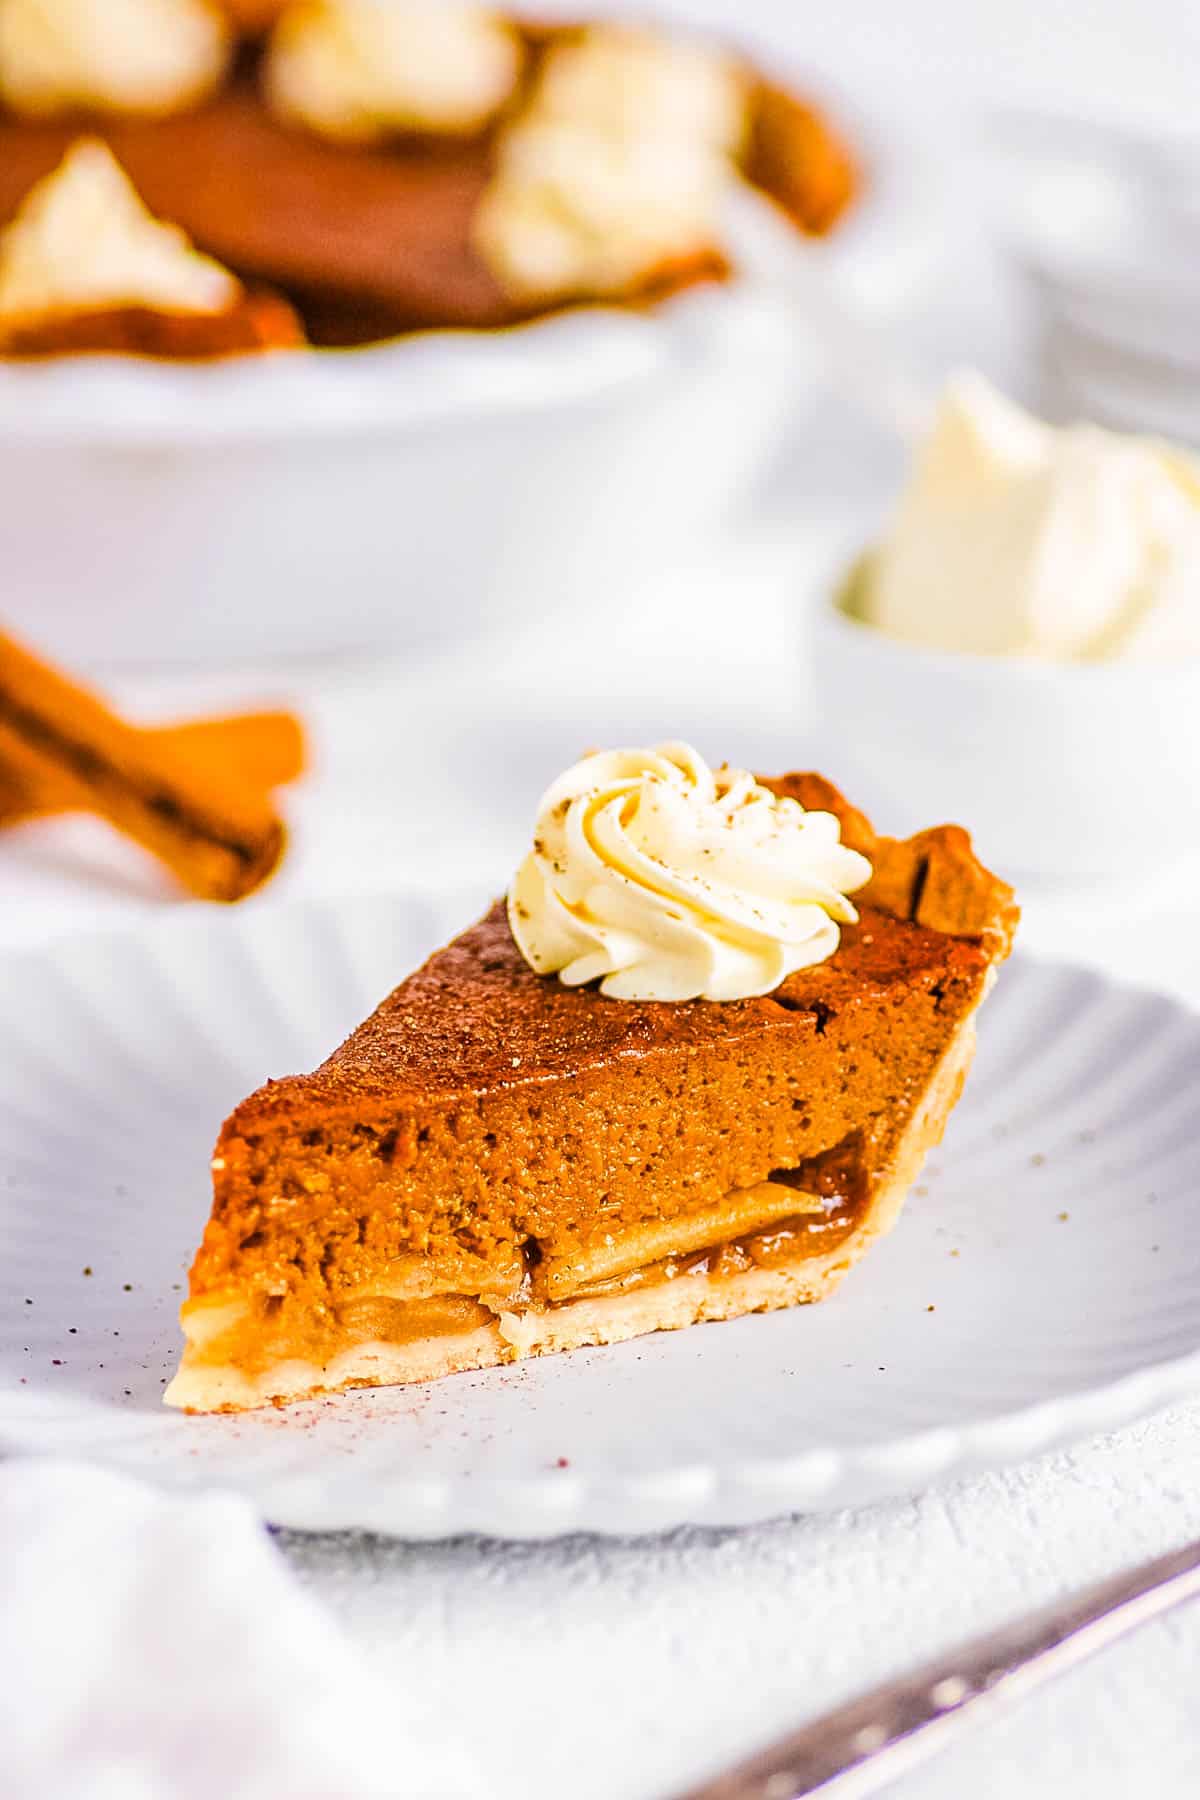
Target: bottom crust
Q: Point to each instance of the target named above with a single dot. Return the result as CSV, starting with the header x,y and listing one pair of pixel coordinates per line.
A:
x,y
688,1299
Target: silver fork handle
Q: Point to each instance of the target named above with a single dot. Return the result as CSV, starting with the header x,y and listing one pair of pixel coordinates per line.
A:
x,y
862,1746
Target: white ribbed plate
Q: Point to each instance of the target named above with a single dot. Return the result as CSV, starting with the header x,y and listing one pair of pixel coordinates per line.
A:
x,y
1044,1282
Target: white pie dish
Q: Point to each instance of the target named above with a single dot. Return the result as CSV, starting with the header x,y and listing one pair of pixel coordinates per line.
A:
x,y
1066,772
315,502
309,502
1042,1284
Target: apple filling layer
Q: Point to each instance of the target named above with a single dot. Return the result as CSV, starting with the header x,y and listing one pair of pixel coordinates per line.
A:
x,y
772,1225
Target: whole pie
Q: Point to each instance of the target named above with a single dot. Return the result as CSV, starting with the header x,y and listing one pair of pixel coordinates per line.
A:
x,y
497,1164
366,238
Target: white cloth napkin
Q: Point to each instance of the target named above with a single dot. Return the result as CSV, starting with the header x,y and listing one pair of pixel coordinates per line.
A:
x,y
156,1647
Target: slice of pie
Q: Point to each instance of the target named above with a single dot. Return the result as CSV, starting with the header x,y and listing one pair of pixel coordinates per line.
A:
x,y
497,1165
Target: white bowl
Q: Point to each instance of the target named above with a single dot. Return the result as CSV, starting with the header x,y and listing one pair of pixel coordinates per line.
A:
x,y
336,500
1062,772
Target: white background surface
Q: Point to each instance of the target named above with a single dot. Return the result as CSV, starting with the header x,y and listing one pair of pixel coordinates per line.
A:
x,y
615,1670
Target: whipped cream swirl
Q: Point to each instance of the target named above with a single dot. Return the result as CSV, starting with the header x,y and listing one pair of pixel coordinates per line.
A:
x,y
123,56
665,879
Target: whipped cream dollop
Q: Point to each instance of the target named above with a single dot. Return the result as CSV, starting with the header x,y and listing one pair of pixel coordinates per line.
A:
x,y
1015,538
620,165
630,81
665,879
571,212
83,240
361,69
123,56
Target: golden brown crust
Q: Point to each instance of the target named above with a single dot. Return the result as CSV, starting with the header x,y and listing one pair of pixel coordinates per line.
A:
x,y
798,158
934,879
258,321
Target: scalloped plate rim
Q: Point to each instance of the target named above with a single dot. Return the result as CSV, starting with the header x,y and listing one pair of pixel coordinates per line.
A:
x,y
688,1491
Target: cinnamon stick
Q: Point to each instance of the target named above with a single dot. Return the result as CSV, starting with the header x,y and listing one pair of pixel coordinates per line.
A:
x,y
216,830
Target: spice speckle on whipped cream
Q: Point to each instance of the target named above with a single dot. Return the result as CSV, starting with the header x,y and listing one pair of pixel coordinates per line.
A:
x,y
1014,538
665,879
